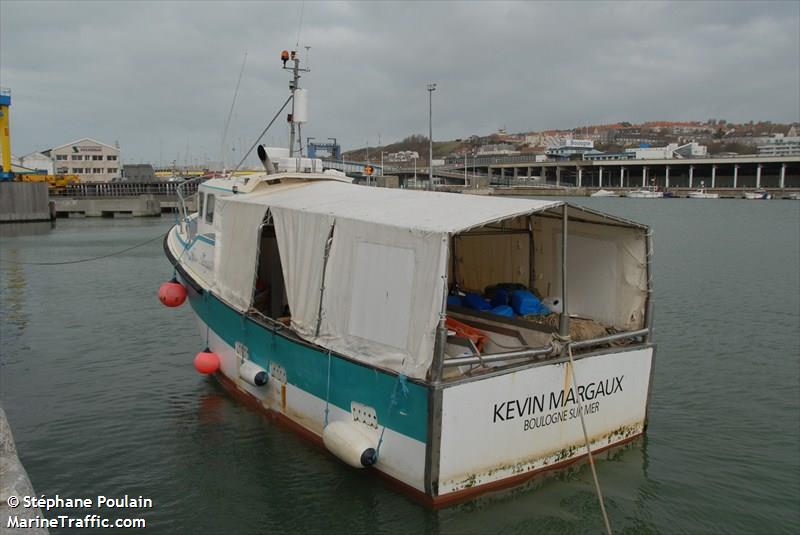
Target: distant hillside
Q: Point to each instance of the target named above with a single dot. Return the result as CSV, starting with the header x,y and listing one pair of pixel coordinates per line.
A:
x,y
416,143
718,134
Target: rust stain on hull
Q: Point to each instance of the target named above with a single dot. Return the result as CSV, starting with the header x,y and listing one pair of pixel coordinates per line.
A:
x,y
623,434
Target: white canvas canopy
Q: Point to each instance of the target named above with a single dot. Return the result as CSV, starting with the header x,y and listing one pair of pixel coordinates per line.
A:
x,y
384,282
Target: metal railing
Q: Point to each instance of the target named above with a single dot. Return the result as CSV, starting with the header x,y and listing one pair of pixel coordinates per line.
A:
x,y
182,191
542,351
124,189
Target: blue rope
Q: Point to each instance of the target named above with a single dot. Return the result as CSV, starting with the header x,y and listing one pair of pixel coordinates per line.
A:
x,y
328,390
393,402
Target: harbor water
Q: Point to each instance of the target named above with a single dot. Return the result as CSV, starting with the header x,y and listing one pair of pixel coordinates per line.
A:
x,y
97,381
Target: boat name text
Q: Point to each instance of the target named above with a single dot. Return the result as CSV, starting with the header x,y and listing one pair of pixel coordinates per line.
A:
x,y
557,401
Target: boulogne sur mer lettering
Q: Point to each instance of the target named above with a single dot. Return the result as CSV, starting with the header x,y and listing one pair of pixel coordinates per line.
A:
x,y
559,406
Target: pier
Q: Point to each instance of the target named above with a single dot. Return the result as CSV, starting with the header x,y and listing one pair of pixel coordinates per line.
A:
x,y
120,199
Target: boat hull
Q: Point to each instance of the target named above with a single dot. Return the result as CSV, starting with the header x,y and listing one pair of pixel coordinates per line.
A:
x,y
702,195
441,443
757,195
604,193
644,194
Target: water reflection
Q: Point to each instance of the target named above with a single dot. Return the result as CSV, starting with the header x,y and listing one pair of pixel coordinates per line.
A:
x,y
13,294
13,230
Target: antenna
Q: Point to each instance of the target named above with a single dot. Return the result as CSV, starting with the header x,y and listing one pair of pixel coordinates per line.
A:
x,y
230,114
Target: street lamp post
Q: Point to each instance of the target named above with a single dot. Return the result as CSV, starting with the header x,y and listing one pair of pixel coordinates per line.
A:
x,y
431,89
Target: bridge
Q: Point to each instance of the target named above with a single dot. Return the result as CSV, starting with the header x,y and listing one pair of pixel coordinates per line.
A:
x,y
738,173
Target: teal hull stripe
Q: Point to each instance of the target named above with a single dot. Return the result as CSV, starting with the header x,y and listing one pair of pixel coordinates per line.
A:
x,y
307,369
190,244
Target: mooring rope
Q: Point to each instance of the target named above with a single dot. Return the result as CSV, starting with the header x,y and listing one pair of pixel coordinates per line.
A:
x,y
393,402
90,259
328,390
567,341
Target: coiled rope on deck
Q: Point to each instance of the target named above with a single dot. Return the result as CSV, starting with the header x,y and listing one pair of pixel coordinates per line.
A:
x,y
566,341
89,259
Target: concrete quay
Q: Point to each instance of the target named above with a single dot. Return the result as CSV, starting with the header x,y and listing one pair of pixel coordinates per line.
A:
x,y
122,199
15,482
141,206
22,202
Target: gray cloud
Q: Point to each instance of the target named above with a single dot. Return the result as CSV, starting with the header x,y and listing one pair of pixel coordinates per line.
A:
x,y
156,76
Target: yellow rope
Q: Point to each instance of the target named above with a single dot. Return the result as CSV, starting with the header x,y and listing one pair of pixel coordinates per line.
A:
x,y
586,438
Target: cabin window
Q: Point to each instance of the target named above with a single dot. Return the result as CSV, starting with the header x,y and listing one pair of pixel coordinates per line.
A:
x,y
200,199
269,296
210,209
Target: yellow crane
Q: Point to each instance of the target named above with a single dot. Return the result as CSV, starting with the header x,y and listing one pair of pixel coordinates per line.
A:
x,y
5,134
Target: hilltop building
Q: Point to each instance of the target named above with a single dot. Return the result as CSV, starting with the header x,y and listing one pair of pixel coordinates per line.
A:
x,y
780,145
498,149
402,156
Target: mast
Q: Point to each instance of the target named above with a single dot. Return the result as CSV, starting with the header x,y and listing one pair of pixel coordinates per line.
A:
x,y
294,85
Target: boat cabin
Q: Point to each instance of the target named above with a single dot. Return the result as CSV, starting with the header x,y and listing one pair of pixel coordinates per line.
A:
x,y
434,286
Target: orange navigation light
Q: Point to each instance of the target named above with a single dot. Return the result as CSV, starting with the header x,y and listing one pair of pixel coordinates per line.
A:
x,y
285,57
368,170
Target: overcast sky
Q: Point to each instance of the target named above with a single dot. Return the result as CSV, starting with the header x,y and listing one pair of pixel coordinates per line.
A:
x,y
159,76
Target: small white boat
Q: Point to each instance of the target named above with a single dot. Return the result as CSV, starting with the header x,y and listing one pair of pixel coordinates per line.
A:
x,y
794,196
644,194
757,195
702,193
604,193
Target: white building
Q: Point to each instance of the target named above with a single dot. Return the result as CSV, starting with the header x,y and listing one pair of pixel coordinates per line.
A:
x,y
35,161
88,158
780,145
498,149
673,150
569,147
402,156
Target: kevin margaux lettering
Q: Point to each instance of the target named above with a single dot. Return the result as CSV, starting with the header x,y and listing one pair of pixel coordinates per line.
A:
x,y
515,408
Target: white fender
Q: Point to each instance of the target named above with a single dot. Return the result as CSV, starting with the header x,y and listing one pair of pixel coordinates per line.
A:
x,y
349,443
253,373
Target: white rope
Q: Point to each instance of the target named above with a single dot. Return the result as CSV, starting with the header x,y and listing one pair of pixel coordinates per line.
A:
x,y
567,340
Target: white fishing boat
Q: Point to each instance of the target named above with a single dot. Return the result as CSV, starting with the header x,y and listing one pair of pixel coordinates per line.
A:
x,y
758,194
343,311
702,193
604,193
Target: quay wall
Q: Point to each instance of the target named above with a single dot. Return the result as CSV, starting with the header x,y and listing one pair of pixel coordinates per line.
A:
x,y
15,482
24,201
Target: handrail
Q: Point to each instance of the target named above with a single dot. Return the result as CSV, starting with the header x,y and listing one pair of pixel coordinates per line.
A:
x,y
609,338
182,199
539,351
499,357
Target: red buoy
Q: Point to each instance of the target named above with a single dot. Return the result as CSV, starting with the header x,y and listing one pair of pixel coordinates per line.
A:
x,y
206,362
172,293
